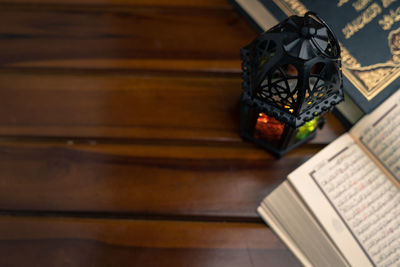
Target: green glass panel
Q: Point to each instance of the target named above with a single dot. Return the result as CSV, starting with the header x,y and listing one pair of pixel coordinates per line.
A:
x,y
307,128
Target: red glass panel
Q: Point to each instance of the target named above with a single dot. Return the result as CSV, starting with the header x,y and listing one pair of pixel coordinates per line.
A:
x,y
268,128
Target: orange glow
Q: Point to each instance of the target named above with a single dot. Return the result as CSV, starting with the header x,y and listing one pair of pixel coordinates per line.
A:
x,y
288,107
268,128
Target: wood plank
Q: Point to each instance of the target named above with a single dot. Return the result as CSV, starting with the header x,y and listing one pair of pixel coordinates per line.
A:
x,y
93,37
96,105
104,242
165,3
210,181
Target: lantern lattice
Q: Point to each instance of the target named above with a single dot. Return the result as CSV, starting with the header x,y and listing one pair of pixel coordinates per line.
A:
x,y
291,76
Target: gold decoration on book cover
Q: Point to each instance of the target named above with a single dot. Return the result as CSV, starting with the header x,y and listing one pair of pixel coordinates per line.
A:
x,y
369,80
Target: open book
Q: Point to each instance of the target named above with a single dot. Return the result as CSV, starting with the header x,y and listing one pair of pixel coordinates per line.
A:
x,y
342,207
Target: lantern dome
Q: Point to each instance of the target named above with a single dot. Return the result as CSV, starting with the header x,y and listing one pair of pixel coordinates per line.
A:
x,y
308,36
293,71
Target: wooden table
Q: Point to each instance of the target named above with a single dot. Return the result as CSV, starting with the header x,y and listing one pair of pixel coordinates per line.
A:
x,y
119,137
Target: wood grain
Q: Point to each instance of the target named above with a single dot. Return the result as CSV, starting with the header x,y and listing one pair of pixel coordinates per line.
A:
x,y
119,139
106,37
104,242
170,180
125,106
127,3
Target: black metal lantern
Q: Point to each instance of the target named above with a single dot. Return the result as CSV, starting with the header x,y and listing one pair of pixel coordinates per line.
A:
x,y
291,76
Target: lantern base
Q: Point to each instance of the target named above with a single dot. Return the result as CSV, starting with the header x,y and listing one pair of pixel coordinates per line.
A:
x,y
276,151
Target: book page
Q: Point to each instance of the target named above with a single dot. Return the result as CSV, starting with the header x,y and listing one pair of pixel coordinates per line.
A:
x,y
379,133
355,202
295,224
271,220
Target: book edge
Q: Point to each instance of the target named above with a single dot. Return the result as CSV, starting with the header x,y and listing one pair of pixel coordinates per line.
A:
x,y
271,221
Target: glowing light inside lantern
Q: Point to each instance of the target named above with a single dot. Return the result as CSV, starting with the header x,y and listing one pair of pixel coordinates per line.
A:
x,y
307,128
268,128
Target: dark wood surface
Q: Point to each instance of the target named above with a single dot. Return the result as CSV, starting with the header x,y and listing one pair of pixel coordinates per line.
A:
x,y
119,139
